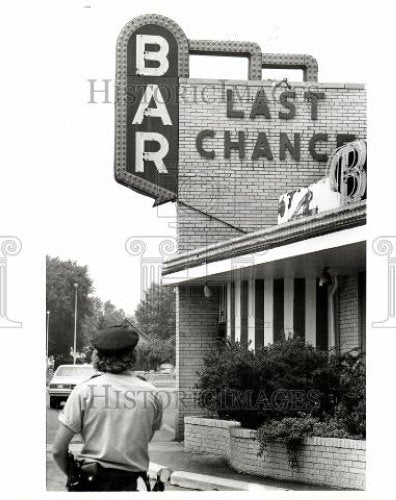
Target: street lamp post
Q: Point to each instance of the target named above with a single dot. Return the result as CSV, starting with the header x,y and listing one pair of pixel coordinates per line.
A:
x,y
47,332
75,324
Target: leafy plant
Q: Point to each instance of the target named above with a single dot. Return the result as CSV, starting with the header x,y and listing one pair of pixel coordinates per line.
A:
x,y
334,428
287,390
262,385
345,379
289,431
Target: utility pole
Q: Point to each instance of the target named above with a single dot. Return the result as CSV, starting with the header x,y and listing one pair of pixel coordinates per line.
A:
x,y
75,323
47,330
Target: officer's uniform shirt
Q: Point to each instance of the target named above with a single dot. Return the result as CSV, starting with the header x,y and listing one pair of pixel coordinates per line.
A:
x,y
116,415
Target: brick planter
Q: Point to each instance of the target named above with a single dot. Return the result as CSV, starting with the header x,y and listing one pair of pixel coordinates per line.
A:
x,y
337,463
207,435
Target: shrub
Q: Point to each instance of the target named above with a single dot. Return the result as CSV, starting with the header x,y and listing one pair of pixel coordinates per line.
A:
x,y
288,391
344,378
288,379
275,381
334,428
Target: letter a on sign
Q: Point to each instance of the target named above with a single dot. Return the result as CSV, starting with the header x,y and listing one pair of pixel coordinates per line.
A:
x,y
152,53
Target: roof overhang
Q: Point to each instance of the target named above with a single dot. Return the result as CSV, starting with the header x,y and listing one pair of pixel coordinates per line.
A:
x,y
302,248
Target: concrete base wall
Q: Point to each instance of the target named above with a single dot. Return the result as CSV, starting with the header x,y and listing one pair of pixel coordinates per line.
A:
x,y
337,463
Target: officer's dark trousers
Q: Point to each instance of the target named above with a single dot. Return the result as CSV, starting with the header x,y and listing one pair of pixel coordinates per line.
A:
x,y
110,480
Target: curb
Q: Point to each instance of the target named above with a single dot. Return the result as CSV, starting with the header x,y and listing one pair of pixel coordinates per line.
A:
x,y
203,482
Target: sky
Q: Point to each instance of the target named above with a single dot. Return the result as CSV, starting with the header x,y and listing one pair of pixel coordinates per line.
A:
x,y
88,215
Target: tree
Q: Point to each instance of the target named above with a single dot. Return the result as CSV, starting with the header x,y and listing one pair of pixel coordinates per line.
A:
x,y
60,295
93,313
91,322
103,314
112,315
155,352
155,314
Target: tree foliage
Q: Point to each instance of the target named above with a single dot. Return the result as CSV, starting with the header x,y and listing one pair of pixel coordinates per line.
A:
x,y
155,314
103,314
60,296
155,352
93,314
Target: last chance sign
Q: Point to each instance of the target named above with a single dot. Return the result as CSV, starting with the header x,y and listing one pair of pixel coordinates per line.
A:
x,y
161,126
262,111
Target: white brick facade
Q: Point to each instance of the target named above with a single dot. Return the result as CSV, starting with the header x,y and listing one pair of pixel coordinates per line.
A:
x,y
242,192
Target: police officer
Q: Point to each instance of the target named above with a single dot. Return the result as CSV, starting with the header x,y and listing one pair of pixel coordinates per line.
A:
x,y
115,412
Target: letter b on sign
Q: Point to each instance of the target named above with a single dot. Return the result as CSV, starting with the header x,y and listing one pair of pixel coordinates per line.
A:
x,y
145,56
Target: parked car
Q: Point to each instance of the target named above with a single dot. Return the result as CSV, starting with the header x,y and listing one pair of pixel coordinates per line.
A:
x,y
65,378
166,368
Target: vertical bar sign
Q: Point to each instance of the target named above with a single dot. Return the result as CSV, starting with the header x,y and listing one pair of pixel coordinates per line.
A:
x,y
152,115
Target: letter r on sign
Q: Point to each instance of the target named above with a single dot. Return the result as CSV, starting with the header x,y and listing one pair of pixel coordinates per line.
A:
x,y
155,156
143,55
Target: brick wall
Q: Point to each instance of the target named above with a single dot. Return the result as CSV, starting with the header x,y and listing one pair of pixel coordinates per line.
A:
x,y
338,463
205,435
242,192
197,320
348,312
210,230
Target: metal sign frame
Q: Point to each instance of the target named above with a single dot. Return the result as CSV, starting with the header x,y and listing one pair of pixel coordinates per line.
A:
x,y
257,61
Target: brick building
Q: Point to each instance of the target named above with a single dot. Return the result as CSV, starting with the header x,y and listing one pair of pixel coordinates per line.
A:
x,y
239,274
270,221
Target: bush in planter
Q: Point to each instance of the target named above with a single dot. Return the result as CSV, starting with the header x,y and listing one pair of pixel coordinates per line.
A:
x,y
345,379
285,379
333,428
291,431
270,383
343,412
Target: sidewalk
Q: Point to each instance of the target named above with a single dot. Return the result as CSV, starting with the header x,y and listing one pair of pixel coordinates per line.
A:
x,y
190,471
209,472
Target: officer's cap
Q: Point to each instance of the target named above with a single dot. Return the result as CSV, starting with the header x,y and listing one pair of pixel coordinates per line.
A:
x,y
116,338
